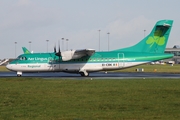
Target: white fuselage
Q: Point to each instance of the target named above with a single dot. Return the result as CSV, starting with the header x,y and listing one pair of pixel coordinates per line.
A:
x,y
71,67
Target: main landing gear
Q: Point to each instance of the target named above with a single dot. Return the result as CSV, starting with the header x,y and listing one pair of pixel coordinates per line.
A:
x,y
84,73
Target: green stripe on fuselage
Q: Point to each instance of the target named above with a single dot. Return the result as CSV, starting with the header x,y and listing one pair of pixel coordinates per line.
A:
x,y
97,57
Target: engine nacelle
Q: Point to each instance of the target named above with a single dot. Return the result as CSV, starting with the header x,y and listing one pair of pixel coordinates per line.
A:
x,y
70,55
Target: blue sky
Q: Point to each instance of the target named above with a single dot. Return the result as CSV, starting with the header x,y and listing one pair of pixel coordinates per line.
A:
x,y
22,21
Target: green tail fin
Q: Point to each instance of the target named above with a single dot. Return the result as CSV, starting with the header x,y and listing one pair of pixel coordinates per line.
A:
x,y
26,51
156,41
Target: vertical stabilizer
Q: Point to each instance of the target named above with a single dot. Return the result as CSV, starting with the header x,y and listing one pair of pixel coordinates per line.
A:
x,y
156,41
26,51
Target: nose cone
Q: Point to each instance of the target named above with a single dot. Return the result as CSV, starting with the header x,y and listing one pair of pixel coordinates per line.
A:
x,y
9,67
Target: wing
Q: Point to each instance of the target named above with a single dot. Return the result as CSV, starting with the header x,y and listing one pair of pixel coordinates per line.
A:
x,y
85,52
76,54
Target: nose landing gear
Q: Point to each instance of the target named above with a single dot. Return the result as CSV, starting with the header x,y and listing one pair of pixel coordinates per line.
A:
x,y
19,74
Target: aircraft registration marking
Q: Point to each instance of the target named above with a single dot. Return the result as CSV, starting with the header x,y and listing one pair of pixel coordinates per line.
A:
x,y
110,64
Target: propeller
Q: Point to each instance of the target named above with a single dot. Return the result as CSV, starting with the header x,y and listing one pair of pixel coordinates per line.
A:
x,y
59,51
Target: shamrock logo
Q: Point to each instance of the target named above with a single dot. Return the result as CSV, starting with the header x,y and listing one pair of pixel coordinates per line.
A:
x,y
157,38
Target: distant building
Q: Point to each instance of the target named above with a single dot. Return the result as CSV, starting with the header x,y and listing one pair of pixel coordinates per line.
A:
x,y
176,51
176,46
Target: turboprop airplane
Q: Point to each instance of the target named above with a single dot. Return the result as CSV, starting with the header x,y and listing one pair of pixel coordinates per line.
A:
x,y
84,61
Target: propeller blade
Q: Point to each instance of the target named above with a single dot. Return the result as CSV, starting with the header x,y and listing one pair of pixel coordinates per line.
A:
x,y
59,48
59,51
55,48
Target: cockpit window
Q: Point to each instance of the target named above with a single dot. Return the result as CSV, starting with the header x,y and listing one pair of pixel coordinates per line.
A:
x,y
22,58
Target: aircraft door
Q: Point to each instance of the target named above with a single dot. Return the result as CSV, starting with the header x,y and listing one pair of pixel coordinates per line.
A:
x,y
48,67
121,60
53,65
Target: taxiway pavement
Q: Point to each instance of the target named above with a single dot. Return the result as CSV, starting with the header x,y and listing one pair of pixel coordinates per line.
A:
x,y
109,75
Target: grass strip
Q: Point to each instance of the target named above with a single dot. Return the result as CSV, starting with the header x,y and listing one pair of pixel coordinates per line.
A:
x,y
44,99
